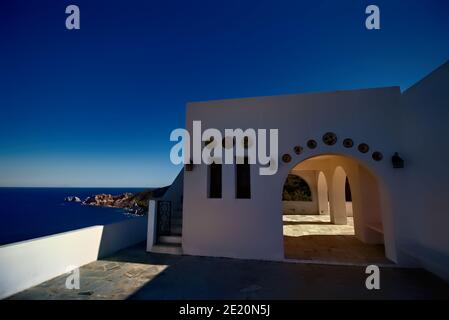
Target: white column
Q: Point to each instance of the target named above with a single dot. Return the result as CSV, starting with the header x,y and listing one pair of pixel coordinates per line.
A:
x,y
152,225
323,199
337,197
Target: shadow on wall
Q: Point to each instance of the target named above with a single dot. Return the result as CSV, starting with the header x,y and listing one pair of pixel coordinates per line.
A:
x,y
120,235
427,258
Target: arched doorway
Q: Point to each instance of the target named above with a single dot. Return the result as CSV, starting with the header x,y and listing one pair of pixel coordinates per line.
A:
x,y
347,225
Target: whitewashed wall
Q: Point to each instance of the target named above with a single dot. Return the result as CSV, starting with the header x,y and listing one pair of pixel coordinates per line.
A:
x,y
300,207
424,186
28,263
415,124
307,207
349,209
252,228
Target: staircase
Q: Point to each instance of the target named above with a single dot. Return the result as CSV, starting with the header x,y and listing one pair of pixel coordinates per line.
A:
x,y
167,215
170,243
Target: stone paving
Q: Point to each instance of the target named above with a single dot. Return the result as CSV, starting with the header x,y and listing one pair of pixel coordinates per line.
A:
x,y
314,237
306,225
116,277
136,274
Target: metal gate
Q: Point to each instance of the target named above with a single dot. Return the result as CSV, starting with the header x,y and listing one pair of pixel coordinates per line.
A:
x,y
163,218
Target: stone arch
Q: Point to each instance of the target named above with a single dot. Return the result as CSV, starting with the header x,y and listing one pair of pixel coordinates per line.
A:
x,y
364,180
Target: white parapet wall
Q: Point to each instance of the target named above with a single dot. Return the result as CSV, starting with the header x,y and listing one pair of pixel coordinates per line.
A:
x,y
307,208
28,263
299,207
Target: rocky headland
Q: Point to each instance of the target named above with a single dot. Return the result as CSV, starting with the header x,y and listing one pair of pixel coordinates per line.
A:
x,y
123,201
133,203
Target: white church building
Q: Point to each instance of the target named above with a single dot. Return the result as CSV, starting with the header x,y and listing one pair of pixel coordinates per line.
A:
x,y
389,144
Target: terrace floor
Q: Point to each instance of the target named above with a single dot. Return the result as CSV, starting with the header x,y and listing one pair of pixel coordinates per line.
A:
x,y
314,237
135,274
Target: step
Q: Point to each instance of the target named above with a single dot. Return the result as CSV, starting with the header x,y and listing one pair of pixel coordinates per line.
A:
x,y
167,248
176,229
171,239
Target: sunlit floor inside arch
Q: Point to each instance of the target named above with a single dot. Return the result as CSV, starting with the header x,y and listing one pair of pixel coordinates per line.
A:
x,y
315,238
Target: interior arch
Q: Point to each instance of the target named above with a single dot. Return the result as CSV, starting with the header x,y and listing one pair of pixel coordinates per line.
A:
x,y
341,230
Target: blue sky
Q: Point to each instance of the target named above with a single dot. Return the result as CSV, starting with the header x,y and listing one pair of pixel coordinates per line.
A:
x,y
95,106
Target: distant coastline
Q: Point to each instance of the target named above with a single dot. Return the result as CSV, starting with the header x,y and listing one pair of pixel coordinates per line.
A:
x,y
33,212
132,203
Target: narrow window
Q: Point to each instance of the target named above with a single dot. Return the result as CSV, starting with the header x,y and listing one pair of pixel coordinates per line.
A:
x,y
243,177
215,180
348,195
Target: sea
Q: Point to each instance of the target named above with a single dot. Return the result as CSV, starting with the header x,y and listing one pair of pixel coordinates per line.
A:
x,y
27,213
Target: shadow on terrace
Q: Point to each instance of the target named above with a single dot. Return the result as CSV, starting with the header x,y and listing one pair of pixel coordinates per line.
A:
x,y
135,274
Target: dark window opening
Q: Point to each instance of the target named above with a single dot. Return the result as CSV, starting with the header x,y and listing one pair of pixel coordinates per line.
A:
x,y
348,195
215,180
243,178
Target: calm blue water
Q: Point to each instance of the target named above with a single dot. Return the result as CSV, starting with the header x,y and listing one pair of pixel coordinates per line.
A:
x,y
27,213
